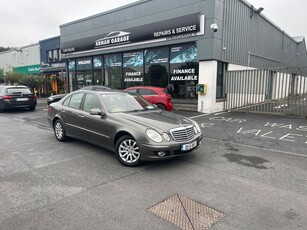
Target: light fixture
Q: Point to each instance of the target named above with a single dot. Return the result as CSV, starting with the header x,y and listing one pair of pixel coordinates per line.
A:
x,y
252,10
260,9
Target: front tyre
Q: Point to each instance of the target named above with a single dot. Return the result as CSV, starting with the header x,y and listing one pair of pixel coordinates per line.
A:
x,y
127,151
59,130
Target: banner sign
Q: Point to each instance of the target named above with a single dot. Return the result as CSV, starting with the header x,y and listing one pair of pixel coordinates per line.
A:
x,y
171,29
32,69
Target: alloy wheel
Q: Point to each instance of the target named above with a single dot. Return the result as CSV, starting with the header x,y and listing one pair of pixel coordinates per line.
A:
x,y
129,152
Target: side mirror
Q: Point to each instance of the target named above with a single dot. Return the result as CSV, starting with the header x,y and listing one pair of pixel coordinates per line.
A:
x,y
97,111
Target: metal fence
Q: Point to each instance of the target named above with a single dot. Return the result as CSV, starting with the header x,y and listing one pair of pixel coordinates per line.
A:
x,y
278,91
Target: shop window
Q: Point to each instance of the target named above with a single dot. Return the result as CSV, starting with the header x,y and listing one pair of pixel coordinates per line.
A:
x,y
53,55
84,72
72,84
49,56
133,74
221,67
113,70
98,76
183,71
156,67
71,64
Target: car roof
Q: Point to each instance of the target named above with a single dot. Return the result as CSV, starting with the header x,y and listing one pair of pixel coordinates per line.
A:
x,y
101,91
14,86
145,87
95,88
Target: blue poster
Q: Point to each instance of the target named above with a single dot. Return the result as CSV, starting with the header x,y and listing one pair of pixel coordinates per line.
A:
x,y
183,53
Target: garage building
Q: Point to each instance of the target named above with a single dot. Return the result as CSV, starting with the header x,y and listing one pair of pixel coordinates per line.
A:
x,y
185,46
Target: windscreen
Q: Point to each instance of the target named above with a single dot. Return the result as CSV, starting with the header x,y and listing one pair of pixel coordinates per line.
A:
x,y
16,90
124,102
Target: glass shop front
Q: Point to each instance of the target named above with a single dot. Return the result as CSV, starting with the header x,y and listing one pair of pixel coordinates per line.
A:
x,y
173,67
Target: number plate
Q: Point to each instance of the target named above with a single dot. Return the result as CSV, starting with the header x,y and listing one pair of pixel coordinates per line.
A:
x,y
187,147
22,99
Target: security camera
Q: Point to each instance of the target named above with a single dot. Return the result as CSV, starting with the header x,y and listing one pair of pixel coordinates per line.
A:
x,y
214,27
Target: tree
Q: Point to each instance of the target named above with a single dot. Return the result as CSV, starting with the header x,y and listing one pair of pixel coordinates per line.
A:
x,y
2,49
1,75
29,80
12,78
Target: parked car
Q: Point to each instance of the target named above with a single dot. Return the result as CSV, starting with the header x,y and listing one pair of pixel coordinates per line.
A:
x,y
125,123
16,96
55,98
155,95
58,97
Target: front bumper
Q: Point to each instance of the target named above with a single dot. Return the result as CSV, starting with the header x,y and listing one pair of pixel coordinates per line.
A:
x,y
173,149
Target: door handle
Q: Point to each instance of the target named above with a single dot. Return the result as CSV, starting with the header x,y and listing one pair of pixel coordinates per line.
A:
x,y
80,115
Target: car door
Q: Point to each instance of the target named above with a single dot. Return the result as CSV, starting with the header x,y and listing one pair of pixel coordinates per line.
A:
x,y
149,95
93,126
70,113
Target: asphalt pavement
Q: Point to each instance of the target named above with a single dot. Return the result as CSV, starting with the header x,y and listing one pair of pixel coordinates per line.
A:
x,y
250,173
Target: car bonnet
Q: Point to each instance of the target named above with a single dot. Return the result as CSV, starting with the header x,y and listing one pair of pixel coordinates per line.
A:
x,y
158,119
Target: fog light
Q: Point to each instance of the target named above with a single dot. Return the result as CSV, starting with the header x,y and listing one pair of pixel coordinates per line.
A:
x,y
161,154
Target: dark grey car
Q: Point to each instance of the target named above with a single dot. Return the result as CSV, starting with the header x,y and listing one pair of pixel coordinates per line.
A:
x,y
124,123
58,97
16,96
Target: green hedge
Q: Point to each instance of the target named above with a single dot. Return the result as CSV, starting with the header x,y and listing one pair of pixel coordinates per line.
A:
x,y
21,79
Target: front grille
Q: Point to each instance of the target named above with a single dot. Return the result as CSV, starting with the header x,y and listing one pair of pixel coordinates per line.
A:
x,y
183,133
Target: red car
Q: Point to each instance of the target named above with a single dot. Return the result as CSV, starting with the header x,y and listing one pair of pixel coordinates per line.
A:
x,y
155,95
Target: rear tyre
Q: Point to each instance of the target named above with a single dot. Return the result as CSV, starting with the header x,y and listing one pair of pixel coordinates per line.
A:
x,y
161,106
127,151
59,130
32,108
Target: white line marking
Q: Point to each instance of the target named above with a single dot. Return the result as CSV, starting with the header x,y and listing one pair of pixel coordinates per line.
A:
x,y
220,113
202,115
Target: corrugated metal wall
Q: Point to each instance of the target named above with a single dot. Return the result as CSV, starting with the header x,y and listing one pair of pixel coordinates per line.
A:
x,y
276,91
24,56
250,39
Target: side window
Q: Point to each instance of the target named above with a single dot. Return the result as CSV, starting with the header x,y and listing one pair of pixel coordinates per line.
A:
x,y
66,102
90,102
132,90
146,92
75,100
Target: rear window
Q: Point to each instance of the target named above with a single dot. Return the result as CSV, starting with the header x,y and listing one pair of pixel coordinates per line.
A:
x,y
147,92
18,91
166,91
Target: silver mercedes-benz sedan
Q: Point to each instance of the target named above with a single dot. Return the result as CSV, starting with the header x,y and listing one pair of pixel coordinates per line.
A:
x,y
125,123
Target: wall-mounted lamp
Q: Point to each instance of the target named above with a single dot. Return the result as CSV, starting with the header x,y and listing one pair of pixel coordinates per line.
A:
x,y
252,11
260,9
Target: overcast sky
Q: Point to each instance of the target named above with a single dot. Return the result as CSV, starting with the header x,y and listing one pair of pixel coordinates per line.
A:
x,y
24,22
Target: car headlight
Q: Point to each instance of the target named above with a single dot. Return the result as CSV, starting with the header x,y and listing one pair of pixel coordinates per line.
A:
x,y
196,127
154,135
